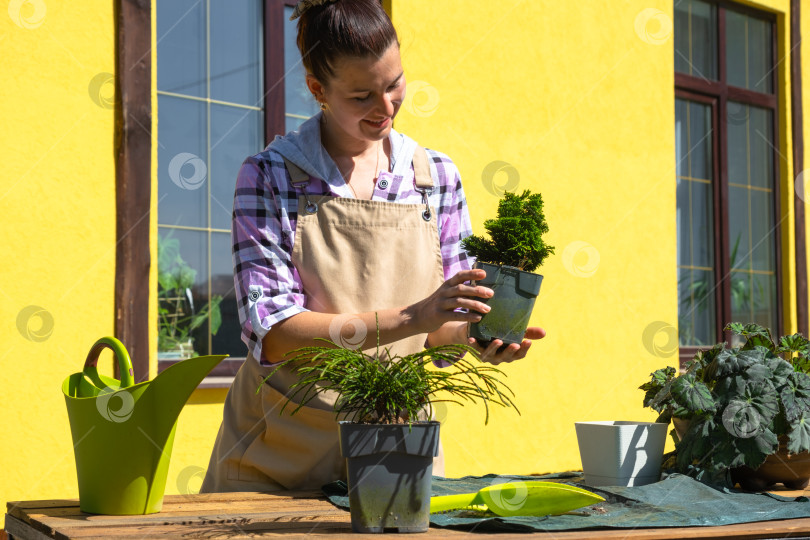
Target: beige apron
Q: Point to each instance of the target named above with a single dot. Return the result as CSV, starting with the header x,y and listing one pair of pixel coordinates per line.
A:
x,y
353,256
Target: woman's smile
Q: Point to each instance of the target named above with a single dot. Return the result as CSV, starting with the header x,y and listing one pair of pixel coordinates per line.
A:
x,y
379,125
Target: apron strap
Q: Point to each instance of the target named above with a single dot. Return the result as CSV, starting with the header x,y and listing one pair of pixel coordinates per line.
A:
x,y
422,178
421,169
298,177
300,180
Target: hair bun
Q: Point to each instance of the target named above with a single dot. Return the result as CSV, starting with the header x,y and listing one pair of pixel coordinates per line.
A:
x,y
304,5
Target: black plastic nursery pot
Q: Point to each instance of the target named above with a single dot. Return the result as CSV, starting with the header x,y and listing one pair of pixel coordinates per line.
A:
x,y
389,473
512,304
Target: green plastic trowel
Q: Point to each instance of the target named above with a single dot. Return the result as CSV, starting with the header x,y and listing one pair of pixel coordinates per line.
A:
x,y
518,498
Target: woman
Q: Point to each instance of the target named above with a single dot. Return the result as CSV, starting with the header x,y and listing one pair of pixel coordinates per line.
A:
x,y
335,225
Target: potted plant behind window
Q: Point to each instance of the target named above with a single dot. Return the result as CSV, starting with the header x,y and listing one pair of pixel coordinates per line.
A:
x,y
514,249
177,318
741,414
697,297
384,438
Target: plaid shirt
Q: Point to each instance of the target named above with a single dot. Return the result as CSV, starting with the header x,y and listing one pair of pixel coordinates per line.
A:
x,y
268,288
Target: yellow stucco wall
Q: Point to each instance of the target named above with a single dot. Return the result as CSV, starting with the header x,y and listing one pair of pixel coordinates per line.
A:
x,y
575,99
578,98
57,196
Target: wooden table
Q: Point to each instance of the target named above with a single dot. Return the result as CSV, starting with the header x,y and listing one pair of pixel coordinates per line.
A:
x,y
297,514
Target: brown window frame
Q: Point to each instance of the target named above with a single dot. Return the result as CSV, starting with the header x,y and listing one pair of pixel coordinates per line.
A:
x,y
274,122
717,94
134,171
133,175
797,130
274,110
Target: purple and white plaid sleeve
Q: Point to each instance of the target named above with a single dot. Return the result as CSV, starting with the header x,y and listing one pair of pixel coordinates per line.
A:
x,y
454,217
268,288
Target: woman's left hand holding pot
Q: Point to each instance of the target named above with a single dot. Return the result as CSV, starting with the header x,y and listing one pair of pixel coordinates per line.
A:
x,y
510,353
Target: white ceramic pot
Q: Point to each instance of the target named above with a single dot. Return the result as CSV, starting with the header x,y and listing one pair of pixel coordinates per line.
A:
x,y
621,453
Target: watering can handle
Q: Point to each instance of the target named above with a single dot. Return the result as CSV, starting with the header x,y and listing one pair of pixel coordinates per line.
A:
x,y
121,354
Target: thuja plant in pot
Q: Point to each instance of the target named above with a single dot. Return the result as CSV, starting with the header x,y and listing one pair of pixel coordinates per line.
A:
x,y
386,435
743,412
514,249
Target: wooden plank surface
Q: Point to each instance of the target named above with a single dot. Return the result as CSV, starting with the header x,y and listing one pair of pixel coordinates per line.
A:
x,y
298,514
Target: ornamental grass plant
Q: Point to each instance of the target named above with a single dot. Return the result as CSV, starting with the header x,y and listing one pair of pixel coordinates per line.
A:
x,y
382,388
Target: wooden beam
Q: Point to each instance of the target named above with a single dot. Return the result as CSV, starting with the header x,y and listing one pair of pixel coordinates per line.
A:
x,y
798,163
274,119
133,172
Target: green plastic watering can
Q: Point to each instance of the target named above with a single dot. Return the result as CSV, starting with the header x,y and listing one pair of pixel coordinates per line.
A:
x,y
123,432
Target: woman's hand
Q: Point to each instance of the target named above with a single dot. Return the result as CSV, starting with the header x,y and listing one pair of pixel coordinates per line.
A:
x,y
511,352
438,308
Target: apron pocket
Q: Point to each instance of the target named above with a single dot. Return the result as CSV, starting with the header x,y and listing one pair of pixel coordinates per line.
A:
x,y
242,427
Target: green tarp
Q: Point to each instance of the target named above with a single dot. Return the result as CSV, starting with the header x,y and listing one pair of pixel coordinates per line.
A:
x,y
676,501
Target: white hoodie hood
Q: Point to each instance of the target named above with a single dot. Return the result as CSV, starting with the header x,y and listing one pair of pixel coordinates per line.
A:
x,y
304,148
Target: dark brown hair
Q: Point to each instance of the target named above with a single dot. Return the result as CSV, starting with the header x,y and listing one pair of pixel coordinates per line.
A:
x,y
345,28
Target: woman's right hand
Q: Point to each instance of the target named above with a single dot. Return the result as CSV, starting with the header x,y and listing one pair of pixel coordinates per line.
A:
x,y
438,308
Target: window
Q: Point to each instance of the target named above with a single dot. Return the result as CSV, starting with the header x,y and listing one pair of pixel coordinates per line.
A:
x,y
229,78
726,173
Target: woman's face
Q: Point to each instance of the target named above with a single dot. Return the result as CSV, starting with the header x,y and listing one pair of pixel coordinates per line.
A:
x,y
364,96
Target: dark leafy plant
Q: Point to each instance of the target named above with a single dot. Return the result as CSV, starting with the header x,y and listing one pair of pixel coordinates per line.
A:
x,y
177,318
739,402
515,236
386,389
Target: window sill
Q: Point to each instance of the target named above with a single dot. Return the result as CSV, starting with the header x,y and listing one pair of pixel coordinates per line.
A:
x,y
687,354
219,377
215,382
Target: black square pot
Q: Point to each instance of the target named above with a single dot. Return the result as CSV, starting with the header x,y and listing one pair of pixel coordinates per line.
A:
x,y
512,304
389,473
